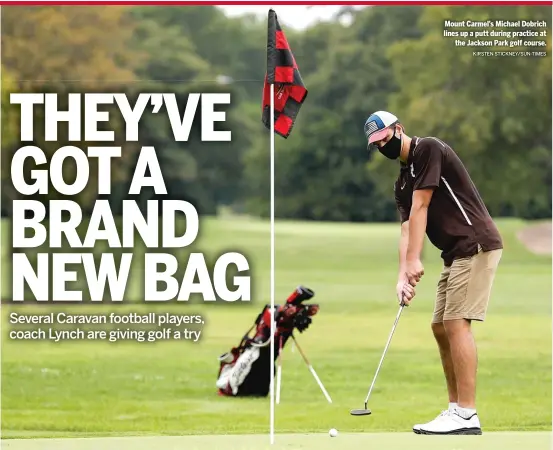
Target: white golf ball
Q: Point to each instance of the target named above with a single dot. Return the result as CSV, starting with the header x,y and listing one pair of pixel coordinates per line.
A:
x,y
333,432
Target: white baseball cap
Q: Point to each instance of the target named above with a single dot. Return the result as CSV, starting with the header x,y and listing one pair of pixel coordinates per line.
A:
x,y
377,124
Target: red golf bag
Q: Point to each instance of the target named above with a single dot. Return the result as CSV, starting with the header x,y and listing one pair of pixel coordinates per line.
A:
x,y
246,369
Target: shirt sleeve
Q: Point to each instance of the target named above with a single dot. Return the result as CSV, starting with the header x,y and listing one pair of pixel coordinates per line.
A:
x,y
427,165
402,208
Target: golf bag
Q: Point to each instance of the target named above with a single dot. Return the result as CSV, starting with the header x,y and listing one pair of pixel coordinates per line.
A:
x,y
245,371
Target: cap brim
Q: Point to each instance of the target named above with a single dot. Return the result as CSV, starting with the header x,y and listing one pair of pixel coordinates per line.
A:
x,y
379,135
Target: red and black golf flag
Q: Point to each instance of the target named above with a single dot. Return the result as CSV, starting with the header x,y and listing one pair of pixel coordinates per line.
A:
x,y
283,72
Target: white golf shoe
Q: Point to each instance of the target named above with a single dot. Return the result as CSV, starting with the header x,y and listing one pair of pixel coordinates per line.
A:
x,y
417,427
449,422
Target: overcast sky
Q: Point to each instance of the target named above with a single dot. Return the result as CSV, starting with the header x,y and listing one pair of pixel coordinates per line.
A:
x,y
291,16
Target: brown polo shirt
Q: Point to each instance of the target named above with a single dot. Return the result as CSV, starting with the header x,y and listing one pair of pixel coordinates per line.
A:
x,y
457,220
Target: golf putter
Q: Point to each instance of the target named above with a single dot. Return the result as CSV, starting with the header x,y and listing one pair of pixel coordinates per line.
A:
x,y
366,411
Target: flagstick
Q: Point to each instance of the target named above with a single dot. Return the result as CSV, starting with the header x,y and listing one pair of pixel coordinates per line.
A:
x,y
272,122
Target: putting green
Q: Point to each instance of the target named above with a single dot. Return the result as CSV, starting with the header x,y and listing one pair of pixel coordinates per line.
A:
x,y
388,441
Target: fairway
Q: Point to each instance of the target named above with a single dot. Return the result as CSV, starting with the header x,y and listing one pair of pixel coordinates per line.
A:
x,y
92,389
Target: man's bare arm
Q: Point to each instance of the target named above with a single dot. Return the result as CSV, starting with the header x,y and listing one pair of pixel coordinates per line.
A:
x,y
405,292
418,219
403,244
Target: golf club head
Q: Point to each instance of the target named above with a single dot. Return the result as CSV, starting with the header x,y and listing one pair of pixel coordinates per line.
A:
x,y
360,412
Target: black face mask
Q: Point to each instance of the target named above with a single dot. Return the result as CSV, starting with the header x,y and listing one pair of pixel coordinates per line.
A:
x,y
392,148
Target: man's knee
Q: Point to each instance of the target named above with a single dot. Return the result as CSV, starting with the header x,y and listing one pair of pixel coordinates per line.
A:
x,y
439,331
453,327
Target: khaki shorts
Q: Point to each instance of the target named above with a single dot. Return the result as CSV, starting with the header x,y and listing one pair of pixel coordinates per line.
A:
x,y
464,287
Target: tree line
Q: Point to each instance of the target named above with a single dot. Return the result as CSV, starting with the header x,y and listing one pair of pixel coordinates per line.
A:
x,y
494,111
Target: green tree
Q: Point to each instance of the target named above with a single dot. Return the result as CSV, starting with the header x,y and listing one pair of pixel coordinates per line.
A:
x,y
10,136
321,169
69,49
81,45
491,110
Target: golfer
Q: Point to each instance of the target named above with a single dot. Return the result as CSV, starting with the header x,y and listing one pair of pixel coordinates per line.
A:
x,y
435,195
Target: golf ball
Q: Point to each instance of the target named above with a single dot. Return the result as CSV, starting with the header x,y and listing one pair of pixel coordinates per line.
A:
x,y
333,432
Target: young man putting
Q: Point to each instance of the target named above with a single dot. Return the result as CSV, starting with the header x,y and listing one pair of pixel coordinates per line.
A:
x,y
435,195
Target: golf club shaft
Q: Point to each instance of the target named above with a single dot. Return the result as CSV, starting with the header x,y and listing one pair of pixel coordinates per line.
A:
x,y
384,353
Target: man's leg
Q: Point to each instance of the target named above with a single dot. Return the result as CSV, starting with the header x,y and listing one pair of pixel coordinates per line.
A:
x,y
443,345
464,360
468,291
447,363
440,335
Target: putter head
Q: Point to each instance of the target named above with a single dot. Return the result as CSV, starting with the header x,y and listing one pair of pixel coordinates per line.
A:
x,y
360,412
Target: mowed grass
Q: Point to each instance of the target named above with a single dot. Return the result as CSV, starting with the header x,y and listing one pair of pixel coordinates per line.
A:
x,y
168,387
